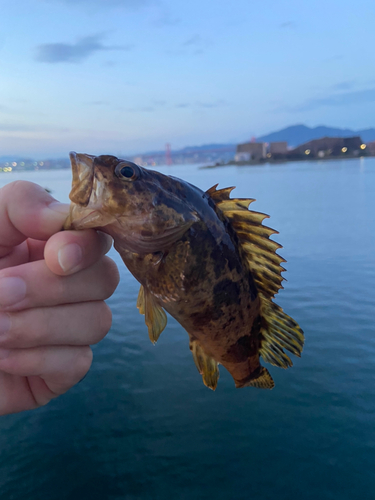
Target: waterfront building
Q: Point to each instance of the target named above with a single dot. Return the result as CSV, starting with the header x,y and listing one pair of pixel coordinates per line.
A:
x,y
329,146
370,148
250,151
278,148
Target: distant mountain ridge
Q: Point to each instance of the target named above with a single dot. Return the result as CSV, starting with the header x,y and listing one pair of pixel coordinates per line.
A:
x,y
298,134
294,135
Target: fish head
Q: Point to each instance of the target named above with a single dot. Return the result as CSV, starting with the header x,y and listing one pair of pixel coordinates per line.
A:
x,y
141,209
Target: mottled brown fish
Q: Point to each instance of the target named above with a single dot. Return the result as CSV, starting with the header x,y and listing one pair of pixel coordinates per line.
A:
x,y
201,256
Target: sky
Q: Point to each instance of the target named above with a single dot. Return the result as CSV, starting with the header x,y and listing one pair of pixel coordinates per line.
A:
x,y
129,76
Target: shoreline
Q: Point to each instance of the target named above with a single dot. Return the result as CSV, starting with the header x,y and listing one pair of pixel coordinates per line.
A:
x,y
270,161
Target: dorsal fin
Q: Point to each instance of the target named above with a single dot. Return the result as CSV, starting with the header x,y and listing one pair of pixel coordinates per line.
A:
x,y
256,247
220,194
259,253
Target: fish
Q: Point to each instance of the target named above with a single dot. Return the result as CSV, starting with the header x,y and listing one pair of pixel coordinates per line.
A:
x,y
203,257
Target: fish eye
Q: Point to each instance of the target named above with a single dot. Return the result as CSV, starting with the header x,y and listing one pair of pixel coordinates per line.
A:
x,y
127,171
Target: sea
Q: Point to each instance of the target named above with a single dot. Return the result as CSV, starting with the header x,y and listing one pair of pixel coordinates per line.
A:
x,y
142,426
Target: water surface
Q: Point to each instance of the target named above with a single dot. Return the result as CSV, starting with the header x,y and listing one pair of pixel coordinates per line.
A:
x,y
143,426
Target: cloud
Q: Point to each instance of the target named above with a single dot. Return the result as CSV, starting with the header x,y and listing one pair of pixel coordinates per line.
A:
x,y
98,103
193,40
337,57
288,25
201,104
343,85
193,45
21,127
159,102
216,104
143,109
343,99
73,52
165,18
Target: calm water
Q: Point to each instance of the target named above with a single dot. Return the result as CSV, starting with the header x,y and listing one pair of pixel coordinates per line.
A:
x,y
143,426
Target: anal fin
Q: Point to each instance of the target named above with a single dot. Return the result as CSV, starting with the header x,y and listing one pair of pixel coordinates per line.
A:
x,y
205,364
155,317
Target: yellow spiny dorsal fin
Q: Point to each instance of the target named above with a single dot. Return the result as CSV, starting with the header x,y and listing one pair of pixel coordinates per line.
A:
x,y
155,317
221,194
258,250
279,331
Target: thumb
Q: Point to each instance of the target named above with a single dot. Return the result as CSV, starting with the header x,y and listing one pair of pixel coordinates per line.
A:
x,y
28,211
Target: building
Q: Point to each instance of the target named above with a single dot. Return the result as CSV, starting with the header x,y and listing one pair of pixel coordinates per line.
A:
x,y
370,148
278,148
250,151
329,146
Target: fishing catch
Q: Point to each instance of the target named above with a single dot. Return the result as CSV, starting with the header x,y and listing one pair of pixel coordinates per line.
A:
x,y
203,257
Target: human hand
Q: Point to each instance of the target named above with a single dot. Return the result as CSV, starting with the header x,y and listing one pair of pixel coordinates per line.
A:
x,y
52,290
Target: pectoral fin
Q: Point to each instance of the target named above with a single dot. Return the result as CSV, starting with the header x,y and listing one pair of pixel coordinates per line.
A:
x,y
155,317
206,365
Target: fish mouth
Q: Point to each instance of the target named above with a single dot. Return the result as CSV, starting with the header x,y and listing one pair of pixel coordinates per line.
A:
x,y
86,218
83,177
86,195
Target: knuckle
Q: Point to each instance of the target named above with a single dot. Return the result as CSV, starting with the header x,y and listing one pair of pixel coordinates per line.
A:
x,y
83,362
15,185
23,189
111,276
103,321
11,335
25,330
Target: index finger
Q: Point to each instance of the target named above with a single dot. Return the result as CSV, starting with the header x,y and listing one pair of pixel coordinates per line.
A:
x,y
28,211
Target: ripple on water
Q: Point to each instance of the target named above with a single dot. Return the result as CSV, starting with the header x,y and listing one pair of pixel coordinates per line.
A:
x,y
142,425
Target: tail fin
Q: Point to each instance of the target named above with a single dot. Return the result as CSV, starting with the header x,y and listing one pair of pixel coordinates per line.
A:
x,y
262,381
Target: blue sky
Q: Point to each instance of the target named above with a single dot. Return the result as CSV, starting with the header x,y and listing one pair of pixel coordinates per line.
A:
x,y
126,76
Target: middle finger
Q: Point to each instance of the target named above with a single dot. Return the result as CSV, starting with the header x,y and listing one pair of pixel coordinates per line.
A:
x,y
34,285
72,324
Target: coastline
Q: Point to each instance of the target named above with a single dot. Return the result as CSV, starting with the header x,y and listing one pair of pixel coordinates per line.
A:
x,y
270,161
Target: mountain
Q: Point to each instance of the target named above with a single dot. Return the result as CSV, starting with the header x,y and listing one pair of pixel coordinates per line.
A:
x,y
209,147
298,134
294,135
9,158
193,149
367,134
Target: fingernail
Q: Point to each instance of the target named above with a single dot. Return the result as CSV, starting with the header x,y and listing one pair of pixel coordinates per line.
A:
x,y
69,257
4,353
12,291
4,323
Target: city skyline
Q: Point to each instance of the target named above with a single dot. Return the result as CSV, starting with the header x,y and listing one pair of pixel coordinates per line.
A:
x,y
128,76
